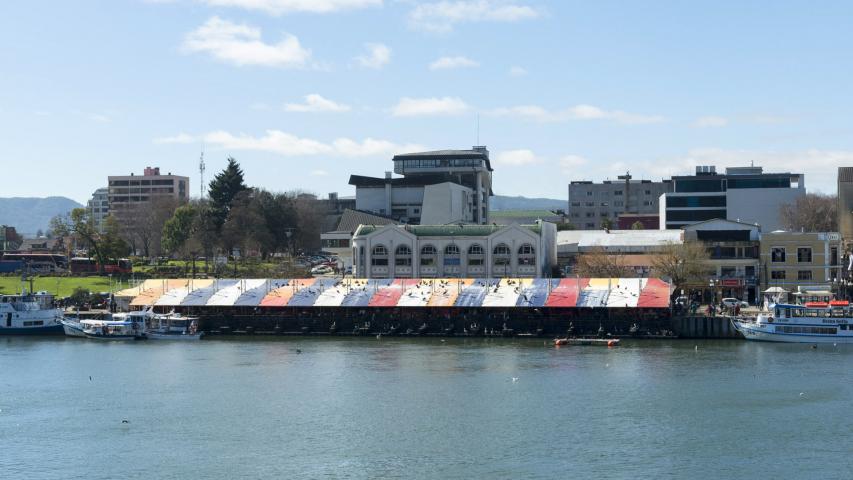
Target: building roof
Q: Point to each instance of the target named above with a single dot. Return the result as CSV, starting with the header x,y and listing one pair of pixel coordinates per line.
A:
x,y
351,219
617,238
456,230
411,181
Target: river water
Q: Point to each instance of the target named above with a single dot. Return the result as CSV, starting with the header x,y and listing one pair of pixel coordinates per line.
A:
x,y
423,408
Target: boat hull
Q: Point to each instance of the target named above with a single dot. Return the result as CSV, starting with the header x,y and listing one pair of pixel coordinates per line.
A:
x,y
72,330
113,337
41,330
755,333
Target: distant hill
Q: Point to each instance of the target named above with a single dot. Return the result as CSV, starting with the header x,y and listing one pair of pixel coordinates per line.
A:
x,y
501,202
28,215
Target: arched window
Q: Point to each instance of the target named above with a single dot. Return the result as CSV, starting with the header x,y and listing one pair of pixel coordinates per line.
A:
x,y
403,256
428,255
501,257
379,256
451,255
526,255
475,255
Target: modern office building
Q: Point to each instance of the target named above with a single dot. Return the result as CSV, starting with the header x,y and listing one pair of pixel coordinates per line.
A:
x,y
845,203
99,207
744,194
129,191
436,188
455,251
801,262
593,204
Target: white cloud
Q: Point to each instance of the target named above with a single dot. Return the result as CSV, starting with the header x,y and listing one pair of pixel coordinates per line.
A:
x,y
516,71
578,112
445,63
443,15
316,103
711,121
319,173
281,7
516,158
100,117
572,161
377,56
180,138
412,107
241,44
289,145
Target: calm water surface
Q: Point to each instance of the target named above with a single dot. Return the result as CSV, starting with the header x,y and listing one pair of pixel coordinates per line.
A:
x,y
402,408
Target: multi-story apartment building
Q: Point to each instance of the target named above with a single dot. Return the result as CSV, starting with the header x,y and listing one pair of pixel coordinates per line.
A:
x,y
129,191
801,261
593,204
99,207
436,188
744,194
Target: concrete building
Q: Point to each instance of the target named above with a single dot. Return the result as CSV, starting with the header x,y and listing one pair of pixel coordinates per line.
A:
x,y
99,207
591,204
9,239
801,261
636,248
129,191
744,194
436,188
845,203
455,251
734,266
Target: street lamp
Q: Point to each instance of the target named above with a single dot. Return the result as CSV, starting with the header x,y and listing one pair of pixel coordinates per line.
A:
x,y
713,284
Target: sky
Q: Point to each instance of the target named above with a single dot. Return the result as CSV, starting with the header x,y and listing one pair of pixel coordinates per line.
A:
x,y
304,93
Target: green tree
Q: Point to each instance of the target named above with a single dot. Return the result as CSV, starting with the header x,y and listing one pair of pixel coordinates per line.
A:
x,y
682,263
638,225
224,187
79,223
178,230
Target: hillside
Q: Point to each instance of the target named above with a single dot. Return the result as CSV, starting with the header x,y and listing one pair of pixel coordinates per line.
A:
x,y
501,202
30,214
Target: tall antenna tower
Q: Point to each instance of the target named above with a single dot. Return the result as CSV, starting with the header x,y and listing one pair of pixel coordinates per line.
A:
x,y
201,172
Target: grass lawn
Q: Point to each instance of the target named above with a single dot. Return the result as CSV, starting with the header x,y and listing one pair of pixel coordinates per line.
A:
x,y
60,286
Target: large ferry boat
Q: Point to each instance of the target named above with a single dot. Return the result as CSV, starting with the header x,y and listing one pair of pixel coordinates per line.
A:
x,y
810,323
29,314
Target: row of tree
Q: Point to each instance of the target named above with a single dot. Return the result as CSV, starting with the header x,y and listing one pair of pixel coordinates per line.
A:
x,y
234,219
681,263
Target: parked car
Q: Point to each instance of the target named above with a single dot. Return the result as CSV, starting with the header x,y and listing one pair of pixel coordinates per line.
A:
x,y
322,270
732,302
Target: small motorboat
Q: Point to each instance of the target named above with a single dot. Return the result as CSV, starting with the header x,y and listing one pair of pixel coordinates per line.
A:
x,y
173,326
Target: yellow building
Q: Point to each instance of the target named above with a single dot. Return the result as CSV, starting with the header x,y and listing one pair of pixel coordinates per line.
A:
x,y
801,261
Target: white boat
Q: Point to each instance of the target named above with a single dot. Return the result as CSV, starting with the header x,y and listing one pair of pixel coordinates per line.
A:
x,y
120,326
172,326
29,314
73,327
810,323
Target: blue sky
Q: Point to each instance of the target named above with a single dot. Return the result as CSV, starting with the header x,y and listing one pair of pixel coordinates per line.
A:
x,y
305,92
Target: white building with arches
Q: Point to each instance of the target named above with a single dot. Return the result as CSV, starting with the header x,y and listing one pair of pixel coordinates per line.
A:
x,y
455,251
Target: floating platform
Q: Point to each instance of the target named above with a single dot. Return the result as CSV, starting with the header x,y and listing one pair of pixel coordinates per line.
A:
x,y
598,342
